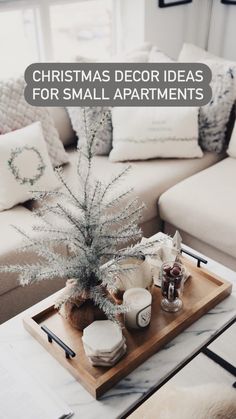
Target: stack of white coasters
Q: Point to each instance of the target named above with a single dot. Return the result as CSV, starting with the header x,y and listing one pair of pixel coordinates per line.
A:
x,y
104,343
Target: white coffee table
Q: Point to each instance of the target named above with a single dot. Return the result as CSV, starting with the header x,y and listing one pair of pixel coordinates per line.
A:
x,y
136,386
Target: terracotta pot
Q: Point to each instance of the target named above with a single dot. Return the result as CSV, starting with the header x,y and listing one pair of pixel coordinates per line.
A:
x,y
81,314
81,311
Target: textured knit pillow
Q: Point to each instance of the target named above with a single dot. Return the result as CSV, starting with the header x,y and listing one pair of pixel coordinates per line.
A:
x,y
214,117
93,118
16,113
24,166
141,133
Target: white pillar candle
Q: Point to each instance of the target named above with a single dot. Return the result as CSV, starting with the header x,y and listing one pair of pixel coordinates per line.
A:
x,y
139,301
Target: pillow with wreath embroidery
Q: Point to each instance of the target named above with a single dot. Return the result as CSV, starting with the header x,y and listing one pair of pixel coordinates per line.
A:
x,y
147,132
24,166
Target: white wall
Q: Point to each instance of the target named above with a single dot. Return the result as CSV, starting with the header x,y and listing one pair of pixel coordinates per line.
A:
x,y
222,34
170,27
206,23
143,21
131,30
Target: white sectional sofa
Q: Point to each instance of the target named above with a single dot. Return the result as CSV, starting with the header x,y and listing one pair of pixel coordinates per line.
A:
x,y
194,195
203,208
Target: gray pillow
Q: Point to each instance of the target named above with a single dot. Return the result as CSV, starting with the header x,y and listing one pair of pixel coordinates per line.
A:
x,y
93,117
214,117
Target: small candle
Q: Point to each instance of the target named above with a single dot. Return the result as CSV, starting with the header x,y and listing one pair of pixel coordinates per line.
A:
x,y
139,300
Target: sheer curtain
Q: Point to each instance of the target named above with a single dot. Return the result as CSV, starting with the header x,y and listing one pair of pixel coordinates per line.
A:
x,y
54,30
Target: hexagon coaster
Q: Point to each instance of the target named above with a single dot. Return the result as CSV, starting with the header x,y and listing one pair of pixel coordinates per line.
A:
x,y
102,336
90,351
103,343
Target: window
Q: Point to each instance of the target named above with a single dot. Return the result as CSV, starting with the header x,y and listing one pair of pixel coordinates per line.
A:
x,y
18,42
54,30
81,28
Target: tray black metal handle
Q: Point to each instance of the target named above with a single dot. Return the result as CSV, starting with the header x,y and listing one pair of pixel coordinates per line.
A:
x,y
52,337
197,257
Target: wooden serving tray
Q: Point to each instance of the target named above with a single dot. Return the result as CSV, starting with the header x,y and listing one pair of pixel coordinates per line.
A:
x,y
201,293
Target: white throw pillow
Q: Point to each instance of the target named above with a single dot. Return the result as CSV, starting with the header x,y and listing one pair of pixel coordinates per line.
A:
x,y
146,132
232,145
158,56
191,53
16,113
24,166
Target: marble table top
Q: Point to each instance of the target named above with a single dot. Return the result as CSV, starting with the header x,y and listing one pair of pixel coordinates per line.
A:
x,y
129,391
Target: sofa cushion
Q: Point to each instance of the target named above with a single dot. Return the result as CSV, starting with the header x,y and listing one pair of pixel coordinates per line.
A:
x,y
148,178
204,206
11,243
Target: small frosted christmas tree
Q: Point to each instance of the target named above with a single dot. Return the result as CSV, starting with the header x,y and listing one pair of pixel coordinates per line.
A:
x,y
92,223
